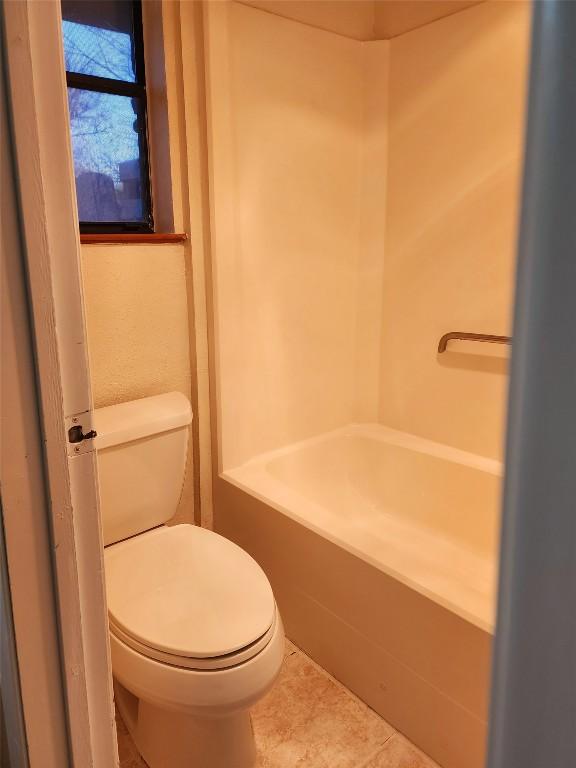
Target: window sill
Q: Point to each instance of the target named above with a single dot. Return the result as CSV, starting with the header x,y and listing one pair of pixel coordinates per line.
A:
x,y
93,239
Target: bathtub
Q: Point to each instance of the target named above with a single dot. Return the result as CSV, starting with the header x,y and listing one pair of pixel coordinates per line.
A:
x,y
381,548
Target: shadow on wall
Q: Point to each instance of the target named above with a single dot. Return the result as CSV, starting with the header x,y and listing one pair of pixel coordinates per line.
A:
x,y
476,363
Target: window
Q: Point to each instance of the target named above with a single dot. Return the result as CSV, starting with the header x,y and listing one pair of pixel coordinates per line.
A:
x,y
104,55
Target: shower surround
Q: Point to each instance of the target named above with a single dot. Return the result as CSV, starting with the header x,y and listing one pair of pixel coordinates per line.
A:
x,y
364,199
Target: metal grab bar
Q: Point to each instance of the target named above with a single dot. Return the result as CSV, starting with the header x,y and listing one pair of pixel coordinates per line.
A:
x,y
462,336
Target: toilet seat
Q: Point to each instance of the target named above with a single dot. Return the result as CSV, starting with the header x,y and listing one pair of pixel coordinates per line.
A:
x,y
189,598
189,662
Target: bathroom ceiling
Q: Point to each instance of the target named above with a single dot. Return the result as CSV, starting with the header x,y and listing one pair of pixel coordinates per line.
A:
x,y
363,19
394,17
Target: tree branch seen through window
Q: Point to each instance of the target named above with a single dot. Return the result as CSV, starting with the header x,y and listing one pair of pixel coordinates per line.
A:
x,y
103,51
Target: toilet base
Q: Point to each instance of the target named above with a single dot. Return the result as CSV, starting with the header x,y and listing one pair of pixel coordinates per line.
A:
x,y
167,739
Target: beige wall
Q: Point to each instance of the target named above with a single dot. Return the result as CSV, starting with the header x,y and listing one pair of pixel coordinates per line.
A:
x,y
286,118
364,203
456,107
137,321
138,327
373,145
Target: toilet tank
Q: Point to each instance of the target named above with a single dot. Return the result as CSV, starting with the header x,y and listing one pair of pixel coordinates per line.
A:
x,y
141,449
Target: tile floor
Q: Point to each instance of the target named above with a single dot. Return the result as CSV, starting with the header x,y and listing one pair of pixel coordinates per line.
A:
x,y
309,720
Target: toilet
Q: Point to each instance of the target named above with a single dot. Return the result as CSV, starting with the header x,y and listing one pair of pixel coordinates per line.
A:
x,y
195,635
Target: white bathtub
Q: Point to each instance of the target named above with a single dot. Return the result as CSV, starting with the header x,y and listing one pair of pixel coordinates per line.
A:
x,y
424,513
381,550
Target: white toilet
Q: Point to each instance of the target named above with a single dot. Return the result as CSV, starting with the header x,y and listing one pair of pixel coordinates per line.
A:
x,y
195,635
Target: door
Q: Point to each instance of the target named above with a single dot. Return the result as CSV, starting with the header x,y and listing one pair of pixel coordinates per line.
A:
x,y
49,484
533,714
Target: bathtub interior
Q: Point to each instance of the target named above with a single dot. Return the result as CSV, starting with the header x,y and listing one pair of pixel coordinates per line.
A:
x,y
426,513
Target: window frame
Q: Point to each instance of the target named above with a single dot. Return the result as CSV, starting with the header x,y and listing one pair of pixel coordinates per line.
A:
x,y
125,88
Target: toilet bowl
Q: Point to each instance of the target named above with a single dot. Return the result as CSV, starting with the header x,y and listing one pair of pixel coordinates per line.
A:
x,y
195,635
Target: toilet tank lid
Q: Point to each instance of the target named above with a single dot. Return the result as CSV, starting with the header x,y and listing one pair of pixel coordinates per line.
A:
x,y
122,423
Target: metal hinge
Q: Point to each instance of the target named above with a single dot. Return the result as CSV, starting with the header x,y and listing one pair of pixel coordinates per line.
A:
x,y
80,433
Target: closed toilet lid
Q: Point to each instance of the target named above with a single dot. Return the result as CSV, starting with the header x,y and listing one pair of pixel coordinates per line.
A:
x,y
187,591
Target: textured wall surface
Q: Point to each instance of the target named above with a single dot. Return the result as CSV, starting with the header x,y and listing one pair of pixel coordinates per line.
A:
x,y
137,318
137,321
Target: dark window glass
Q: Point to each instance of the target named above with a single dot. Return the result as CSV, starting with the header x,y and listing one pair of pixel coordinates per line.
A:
x,y
106,134
103,51
98,39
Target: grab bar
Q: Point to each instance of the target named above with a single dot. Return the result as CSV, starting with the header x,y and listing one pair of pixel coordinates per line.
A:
x,y
461,336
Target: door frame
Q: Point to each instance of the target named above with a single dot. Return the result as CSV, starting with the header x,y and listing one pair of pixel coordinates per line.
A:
x,y
50,504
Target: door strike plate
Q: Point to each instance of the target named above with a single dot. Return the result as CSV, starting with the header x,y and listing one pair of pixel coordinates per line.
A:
x,y
80,433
